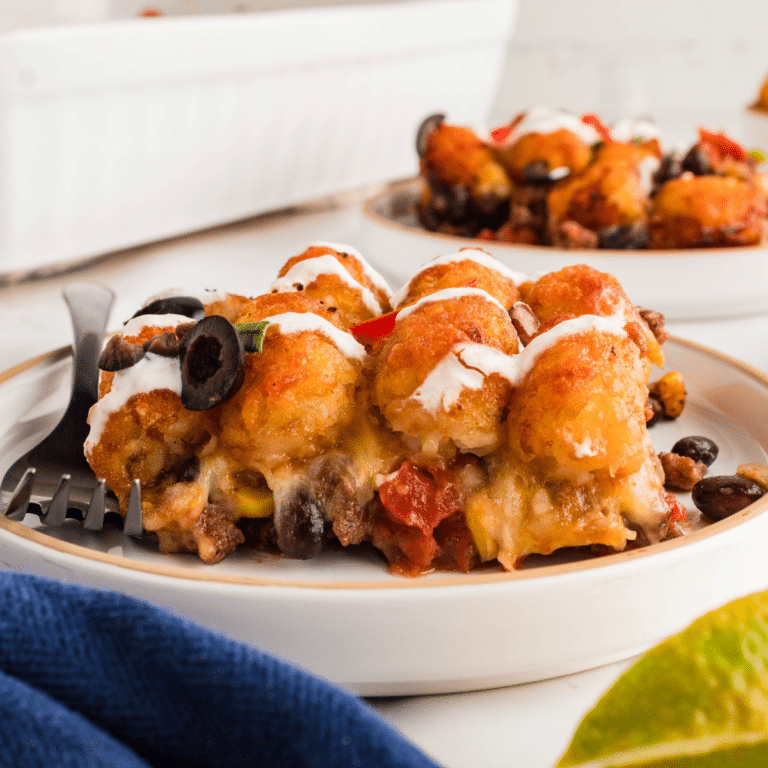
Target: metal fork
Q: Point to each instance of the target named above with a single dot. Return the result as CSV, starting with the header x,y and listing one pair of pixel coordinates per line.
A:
x,y
54,480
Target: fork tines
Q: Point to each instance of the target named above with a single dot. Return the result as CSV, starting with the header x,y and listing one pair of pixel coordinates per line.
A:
x,y
58,509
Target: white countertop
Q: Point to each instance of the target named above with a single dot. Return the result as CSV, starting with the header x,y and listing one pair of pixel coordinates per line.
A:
x,y
528,725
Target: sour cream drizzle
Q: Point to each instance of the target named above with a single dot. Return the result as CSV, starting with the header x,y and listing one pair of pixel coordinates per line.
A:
x,y
630,128
467,365
648,166
150,373
469,254
546,120
299,322
307,271
447,294
155,372
371,273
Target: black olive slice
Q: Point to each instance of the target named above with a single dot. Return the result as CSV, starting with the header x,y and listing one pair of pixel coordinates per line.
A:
x,y
697,162
536,172
119,354
212,364
164,344
671,167
188,306
427,126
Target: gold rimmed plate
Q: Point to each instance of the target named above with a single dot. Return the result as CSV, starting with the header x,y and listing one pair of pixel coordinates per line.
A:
x,y
344,617
697,283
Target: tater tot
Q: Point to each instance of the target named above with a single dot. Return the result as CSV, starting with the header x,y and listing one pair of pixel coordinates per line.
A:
x,y
466,416
582,405
707,211
582,290
298,394
469,268
536,154
340,278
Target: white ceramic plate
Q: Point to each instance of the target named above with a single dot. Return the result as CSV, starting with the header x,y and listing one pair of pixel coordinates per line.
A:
x,y
344,617
684,285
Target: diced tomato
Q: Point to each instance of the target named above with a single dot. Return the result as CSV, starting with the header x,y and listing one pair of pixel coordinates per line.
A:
x,y
419,548
456,549
415,503
719,146
414,498
598,125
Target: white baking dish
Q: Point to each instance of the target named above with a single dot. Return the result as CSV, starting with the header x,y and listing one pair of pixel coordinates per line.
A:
x,y
125,132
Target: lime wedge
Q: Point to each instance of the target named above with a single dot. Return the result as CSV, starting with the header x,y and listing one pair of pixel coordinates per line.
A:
x,y
700,698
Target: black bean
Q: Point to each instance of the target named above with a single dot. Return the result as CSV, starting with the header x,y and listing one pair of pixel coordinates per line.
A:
x,y
697,448
189,470
299,523
633,237
721,496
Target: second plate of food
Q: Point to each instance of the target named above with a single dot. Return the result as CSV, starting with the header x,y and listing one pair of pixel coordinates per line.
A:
x,y
343,616
686,284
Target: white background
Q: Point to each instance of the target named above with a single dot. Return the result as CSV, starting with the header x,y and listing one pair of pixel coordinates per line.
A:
x,y
682,62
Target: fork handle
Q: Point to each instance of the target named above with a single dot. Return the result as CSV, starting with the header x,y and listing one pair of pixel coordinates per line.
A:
x,y
89,306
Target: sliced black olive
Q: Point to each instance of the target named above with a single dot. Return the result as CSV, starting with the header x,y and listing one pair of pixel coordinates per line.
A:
x,y
536,172
299,523
697,162
188,306
670,168
721,496
212,364
165,344
633,237
119,354
189,470
697,448
427,126
458,202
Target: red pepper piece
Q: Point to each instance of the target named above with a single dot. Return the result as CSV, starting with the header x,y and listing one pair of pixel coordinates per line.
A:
x,y
598,125
376,328
500,134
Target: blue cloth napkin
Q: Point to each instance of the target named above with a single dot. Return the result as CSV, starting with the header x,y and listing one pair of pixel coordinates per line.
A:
x,y
96,678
